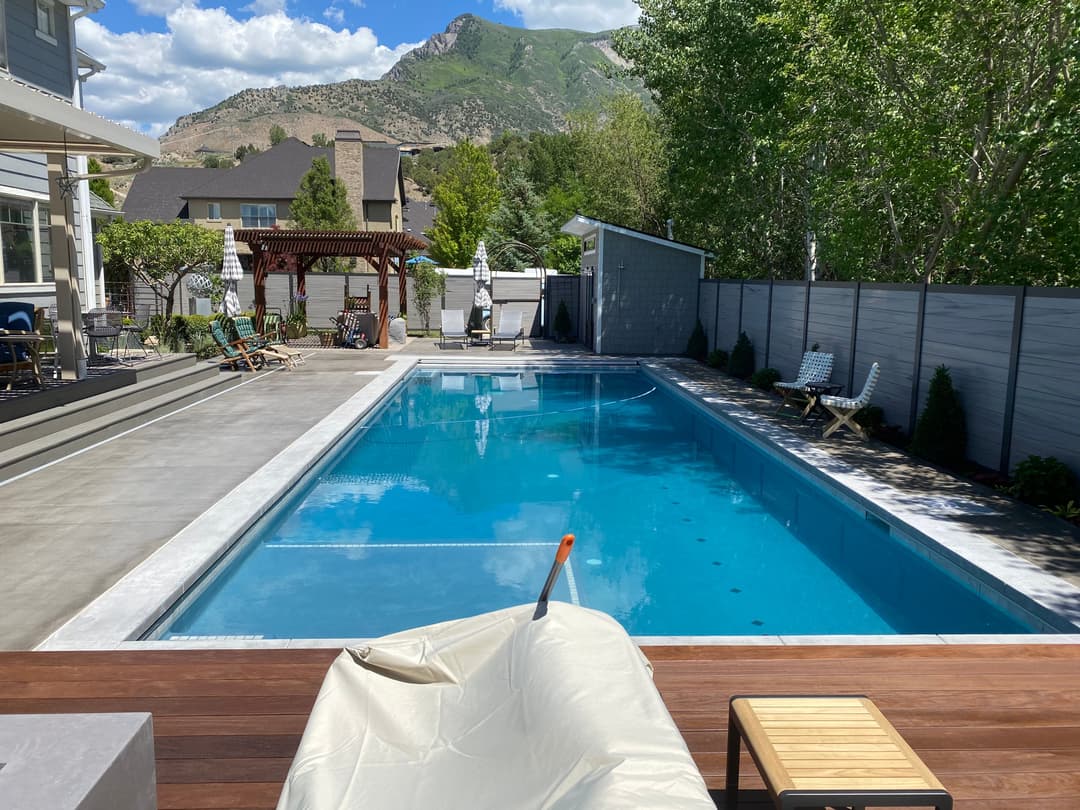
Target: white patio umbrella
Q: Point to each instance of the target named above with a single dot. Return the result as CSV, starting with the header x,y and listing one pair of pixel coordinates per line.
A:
x,y
482,277
483,425
231,273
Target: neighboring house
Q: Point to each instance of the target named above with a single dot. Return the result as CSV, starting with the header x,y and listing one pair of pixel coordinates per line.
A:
x,y
46,240
419,218
258,193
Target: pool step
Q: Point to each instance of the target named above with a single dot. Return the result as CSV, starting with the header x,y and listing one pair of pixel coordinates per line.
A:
x,y
42,437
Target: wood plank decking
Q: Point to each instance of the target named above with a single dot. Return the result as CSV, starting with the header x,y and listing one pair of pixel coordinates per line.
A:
x,y
999,725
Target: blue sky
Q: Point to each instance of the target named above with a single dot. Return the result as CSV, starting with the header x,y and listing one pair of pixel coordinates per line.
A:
x,y
166,58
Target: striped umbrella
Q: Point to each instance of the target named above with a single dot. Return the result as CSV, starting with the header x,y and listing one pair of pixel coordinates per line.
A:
x,y
482,277
231,273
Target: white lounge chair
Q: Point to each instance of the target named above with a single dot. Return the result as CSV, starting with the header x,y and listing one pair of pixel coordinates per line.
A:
x,y
453,327
815,367
509,328
844,409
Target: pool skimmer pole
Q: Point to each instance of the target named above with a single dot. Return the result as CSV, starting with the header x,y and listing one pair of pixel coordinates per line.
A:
x,y
561,556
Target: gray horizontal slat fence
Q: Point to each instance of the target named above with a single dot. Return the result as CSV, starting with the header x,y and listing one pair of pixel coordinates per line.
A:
x,y
707,311
1013,353
888,318
755,318
1046,420
970,334
831,313
786,329
521,294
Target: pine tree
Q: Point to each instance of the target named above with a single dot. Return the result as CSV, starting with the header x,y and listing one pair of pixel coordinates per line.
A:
x,y
520,217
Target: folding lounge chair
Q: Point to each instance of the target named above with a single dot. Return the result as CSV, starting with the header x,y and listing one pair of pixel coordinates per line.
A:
x,y
815,367
245,330
509,328
844,409
236,352
453,327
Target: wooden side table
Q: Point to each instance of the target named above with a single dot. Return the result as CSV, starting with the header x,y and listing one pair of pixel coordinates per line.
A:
x,y
827,751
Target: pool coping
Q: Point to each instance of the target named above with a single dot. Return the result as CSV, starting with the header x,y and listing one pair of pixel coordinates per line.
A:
x,y
118,617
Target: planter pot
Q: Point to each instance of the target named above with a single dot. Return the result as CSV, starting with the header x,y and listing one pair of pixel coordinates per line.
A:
x,y
326,339
295,330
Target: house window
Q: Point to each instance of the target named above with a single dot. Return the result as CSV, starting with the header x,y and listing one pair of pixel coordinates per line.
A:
x,y
213,211
258,216
22,245
46,20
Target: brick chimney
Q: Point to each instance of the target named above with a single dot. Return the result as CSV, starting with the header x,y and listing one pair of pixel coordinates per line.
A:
x,y
349,168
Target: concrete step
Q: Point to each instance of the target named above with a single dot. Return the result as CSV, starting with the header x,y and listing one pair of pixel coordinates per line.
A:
x,y
137,385
51,438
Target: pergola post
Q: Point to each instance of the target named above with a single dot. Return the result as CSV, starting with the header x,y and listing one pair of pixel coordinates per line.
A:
x,y
384,293
403,285
260,261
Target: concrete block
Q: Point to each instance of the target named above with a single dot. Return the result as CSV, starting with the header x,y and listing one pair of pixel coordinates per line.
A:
x,y
77,762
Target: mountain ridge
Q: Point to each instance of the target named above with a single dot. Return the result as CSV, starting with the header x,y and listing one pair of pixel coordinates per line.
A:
x,y
473,80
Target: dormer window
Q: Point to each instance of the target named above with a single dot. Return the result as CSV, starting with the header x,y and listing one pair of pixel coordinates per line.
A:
x,y
46,20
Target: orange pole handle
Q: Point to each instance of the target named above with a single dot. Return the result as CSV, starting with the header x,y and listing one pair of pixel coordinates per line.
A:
x,y
564,548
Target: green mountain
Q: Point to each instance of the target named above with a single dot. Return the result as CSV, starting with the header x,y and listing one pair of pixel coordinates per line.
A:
x,y
475,80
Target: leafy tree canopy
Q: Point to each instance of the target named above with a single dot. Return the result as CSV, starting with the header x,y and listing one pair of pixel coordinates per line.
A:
x,y
465,197
160,254
277,134
321,202
100,185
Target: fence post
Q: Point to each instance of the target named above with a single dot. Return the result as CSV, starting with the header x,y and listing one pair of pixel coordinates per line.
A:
x,y
716,315
742,283
768,325
853,341
917,361
806,316
1014,370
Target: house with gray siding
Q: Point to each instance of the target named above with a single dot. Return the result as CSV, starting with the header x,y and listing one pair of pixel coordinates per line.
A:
x,y
46,232
639,292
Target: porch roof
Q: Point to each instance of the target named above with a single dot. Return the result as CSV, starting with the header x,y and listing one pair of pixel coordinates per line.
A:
x,y
33,120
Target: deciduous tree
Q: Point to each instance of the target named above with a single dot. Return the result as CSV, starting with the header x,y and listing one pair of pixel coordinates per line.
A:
x,y
160,254
465,197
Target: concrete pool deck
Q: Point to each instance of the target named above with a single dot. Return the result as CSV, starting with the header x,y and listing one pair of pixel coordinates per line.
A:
x,y
77,526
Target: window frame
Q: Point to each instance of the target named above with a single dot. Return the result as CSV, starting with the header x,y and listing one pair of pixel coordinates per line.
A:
x,y
210,206
3,39
38,226
265,215
45,10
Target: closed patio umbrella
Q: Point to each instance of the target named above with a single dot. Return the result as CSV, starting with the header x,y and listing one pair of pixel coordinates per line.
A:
x,y
231,273
482,277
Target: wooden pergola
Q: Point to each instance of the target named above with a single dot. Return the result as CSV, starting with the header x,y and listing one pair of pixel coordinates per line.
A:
x,y
277,250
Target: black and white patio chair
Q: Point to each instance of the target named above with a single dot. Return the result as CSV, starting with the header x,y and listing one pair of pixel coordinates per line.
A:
x,y
844,409
815,367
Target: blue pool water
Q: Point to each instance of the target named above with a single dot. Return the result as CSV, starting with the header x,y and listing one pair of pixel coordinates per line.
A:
x,y
450,500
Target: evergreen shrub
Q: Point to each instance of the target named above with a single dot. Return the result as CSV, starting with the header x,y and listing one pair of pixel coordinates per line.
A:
x,y
697,346
765,378
741,362
1043,482
563,325
941,432
718,358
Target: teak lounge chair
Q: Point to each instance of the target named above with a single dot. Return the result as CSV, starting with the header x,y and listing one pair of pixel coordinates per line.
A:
x,y
453,327
236,352
509,328
844,409
815,367
245,330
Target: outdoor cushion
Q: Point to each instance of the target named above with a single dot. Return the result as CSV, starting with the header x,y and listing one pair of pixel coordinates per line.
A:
x,y
495,711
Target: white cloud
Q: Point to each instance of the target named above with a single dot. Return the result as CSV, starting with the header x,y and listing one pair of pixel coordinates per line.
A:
x,y
157,8
207,55
598,15
265,6
335,14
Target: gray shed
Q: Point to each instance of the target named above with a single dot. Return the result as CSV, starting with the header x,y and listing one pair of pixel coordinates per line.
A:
x,y
639,292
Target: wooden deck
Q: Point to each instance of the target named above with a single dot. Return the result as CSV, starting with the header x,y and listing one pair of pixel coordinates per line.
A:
x,y
999,725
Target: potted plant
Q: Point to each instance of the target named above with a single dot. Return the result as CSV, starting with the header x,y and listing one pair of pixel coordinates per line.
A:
x,y
296,322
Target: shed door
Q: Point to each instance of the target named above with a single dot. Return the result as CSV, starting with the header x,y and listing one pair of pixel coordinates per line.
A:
x,y
587,298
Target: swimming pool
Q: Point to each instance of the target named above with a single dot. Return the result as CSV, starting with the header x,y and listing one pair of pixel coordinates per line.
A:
x,y
449,499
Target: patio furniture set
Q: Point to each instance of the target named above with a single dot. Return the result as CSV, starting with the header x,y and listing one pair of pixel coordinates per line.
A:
x,y
813,389
453,329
